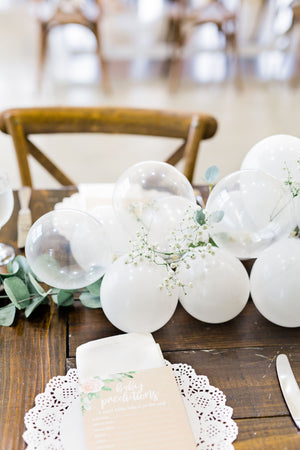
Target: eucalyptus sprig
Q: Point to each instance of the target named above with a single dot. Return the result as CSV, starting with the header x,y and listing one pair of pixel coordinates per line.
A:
x,y
24,292
211,175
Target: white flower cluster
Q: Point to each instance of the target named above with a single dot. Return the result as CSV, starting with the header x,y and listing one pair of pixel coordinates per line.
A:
x,y
293,185
185,241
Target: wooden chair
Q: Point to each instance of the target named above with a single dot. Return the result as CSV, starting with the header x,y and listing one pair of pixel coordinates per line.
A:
x,y
66,15
184,20
295,33
24,122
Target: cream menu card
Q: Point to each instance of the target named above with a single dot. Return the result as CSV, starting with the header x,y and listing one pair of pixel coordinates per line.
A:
x,y
129,398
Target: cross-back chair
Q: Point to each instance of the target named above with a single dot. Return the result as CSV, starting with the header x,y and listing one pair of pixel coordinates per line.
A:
x,y
76,13
22,123
185,20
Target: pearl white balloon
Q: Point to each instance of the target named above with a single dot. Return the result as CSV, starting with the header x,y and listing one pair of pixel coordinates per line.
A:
x,y
273,154
132,299
216,286
68,249
116,234
168,216
275,283
257,211
143,183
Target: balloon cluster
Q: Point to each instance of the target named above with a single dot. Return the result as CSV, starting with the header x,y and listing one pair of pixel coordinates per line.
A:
x,y
155,245
274,280
261,212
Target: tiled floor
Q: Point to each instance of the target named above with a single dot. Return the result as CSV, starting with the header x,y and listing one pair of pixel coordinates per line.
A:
x,y
261,108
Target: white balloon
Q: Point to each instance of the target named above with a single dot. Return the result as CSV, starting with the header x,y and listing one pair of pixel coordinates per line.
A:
x,y
216,286
257,211
132,299
68,249
117,235
275,283
273,154
143,183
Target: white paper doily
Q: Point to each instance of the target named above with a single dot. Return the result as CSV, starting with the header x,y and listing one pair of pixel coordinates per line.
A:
x,y
55,422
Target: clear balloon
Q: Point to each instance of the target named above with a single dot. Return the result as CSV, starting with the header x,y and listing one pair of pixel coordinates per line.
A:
x,y
257,212
116,234
168,220
68,249
275,283
132,297
216,286
143,183
274,155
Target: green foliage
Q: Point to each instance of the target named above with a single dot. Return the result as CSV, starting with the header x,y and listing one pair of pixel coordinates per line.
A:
x,y
17,292
211,175
216,216
94,288
90,301
63,298
7,315
25,292
200,217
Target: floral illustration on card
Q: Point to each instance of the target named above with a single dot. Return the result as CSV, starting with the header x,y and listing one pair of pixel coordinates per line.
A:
x,y
91,388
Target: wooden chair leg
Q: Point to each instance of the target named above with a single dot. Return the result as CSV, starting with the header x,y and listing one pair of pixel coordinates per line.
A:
x,y
231,44
103,63
176,67
295,75
42,54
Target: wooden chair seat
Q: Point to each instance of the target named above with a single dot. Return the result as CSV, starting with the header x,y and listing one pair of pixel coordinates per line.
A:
x,y
25,122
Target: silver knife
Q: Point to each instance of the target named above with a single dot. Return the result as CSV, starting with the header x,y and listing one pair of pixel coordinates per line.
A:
x,y
24,216
289,387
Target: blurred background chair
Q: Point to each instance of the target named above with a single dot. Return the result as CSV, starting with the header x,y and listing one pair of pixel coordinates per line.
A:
x,y
295,43
185,19
52,14
25,122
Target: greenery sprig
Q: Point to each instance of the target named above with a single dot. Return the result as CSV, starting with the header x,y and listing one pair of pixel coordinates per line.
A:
x,y
292,185
24,291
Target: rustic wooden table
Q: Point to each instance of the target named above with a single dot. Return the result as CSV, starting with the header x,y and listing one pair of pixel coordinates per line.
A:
x,y
238,357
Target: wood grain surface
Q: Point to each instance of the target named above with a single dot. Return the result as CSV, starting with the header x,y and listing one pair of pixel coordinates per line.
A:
x,y
238,357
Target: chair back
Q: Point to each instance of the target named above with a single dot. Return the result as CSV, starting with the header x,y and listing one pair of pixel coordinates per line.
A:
x,y
25,122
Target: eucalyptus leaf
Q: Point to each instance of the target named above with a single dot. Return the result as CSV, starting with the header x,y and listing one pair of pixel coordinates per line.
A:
x,y
90,301
94,288
17,292
7,315
34,286
212,174
33,305
63,298
200,217
13,268
24,268
216,216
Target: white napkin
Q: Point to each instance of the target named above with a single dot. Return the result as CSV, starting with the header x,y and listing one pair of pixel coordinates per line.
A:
x,y
122,353
95,194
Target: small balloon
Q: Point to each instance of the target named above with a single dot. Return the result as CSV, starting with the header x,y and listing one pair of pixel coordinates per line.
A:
x,y
257,212
215,286
276,155
275,283
68,249
143,183
132,297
